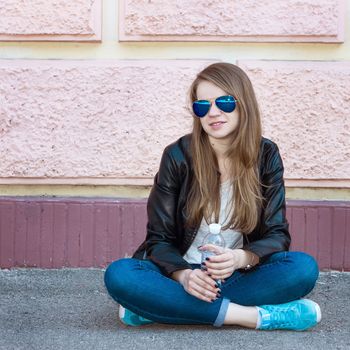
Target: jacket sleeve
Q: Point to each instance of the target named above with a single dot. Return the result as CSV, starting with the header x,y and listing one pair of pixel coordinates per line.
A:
x,y
162,240
274,235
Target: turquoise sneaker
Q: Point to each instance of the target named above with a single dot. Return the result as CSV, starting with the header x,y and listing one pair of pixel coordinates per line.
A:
x,y
129,318
297,315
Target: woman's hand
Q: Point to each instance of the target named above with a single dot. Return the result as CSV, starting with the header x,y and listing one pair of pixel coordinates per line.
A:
x,y
225,262
198,284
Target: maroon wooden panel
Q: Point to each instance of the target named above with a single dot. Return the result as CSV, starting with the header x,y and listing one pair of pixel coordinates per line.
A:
x,y
289,215
338,238
114,227
101,234
59,235
20,234
58,232
73,234
7,234
311,231
298,229
325,236
33,235
87,235
140,224
127,230
46,244
347,242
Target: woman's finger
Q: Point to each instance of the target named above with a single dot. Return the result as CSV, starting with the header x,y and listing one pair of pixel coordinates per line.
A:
x,y
222,274
220,257
212,248
218,266
206,282
202,287
199,295
203,292
202,284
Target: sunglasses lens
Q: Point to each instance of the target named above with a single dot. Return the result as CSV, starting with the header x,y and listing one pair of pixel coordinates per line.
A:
x,y
201,108
226,103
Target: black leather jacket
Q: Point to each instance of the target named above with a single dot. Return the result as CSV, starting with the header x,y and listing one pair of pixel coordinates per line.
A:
x,y
168,240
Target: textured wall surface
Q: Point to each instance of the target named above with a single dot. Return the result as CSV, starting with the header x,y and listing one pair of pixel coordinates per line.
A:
x,y
232,20
112,119
306,110
47,232
87,119
50,20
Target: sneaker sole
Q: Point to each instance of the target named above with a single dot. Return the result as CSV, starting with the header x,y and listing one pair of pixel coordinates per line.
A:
x,y
318,312
121,315
121,311
317,308
128,321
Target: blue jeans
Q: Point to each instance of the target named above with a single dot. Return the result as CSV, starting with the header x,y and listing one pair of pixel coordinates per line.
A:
x,y
139,286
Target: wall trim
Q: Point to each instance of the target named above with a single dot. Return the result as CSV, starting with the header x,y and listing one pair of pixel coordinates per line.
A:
x,y
58,232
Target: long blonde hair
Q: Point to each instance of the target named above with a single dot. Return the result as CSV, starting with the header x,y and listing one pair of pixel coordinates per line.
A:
x,y
204,196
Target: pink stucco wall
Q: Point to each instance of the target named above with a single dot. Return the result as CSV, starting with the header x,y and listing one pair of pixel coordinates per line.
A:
x,y
112,119
185,20
232,20
306,110
91,118
78,20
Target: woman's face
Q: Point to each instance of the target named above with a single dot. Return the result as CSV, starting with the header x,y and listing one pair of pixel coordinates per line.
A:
x,y
216,123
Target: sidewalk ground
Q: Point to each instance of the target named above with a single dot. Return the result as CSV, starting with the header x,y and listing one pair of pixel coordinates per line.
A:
x,y
70,309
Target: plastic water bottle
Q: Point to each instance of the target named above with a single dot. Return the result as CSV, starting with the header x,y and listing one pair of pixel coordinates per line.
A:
x,y
213,237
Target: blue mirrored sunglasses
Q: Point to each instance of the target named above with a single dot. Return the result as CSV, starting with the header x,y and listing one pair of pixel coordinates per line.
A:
x,y
225,103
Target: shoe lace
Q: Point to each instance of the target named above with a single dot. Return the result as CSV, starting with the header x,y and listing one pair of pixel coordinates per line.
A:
x,y
283,317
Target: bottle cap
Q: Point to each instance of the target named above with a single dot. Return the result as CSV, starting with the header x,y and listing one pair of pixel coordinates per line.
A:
x,y
215,228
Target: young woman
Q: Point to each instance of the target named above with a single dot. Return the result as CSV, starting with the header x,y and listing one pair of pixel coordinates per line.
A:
x,y
223,172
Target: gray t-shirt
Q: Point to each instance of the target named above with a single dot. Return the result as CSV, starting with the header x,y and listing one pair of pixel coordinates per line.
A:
x,y
233,238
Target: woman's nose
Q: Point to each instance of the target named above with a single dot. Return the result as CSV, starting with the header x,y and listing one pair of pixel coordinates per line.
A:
x,y
214,110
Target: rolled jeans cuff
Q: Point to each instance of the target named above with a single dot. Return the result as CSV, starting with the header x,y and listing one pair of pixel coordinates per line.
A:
x,y
222,312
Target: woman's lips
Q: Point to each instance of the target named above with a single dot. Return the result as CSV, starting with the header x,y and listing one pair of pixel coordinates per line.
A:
x,y
216,125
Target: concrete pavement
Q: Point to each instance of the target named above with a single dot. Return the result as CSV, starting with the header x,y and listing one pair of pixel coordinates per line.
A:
x,y
70,309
